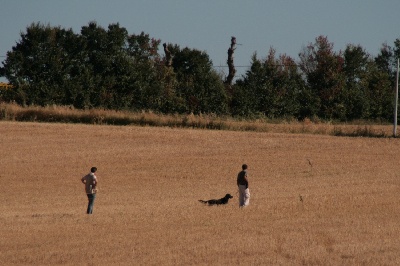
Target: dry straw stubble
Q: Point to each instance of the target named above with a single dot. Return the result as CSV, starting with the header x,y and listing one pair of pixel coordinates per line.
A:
x,y
316,200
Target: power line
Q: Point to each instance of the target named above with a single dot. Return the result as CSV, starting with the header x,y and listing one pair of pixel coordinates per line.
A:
x,y
241,66
228,66
281,65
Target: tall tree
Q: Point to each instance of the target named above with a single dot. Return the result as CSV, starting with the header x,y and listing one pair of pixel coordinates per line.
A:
x,y
322,68
380,94
145,80
382,82
249,89
199,85
102,49
396,51
272,87
35,66
286,88
385,59
356,70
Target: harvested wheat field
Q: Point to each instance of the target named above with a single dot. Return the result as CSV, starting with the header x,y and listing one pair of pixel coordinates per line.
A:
x,y
315,200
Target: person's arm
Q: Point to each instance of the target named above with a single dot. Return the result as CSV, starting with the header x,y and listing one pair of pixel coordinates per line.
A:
x,y
95,182
246,180
83,180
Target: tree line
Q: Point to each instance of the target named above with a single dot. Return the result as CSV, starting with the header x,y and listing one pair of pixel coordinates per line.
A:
x,y
112,69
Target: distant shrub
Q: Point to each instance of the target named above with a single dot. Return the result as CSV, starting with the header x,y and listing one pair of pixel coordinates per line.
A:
x,y
68,114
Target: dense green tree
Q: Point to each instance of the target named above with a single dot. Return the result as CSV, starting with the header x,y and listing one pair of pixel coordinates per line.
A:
x,y
286,86
103,54
322,68
385,59
380,94
382,78
76,76
98,68
396,52
109,68
35,65
169,102
272,87
356,69
145,84
245,96
241,103
198,84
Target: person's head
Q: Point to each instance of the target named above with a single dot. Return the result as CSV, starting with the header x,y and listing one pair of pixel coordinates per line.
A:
x,y
93,169
244,166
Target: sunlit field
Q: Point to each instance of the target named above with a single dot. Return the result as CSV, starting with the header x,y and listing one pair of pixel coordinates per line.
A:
x,y
315,199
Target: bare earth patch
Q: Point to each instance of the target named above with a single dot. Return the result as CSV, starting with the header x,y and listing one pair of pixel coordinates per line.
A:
x,y
315,199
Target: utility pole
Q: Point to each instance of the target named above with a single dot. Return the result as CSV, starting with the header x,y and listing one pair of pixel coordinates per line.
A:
x,y
396,101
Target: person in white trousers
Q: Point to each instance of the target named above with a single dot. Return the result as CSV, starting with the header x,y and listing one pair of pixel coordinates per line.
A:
x,y
243,185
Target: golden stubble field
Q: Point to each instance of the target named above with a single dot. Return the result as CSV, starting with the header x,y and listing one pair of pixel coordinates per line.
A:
x,y
315,200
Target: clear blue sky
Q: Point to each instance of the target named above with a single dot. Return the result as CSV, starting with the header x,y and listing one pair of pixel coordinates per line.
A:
x,y
207,25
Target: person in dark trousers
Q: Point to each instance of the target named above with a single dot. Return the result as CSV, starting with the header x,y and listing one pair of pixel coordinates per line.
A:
x,y
243,185
90,181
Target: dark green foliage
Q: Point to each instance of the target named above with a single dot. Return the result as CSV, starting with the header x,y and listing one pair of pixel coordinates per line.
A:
x,y
35,65
351,85
199,85
112,69
323,69
272,87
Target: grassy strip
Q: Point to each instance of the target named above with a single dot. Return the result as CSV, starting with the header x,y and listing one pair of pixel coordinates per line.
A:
x,y
65,114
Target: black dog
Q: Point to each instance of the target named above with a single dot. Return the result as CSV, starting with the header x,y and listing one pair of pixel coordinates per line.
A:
x,y
223,200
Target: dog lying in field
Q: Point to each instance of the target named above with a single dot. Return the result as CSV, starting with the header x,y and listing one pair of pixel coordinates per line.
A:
x,y
223,200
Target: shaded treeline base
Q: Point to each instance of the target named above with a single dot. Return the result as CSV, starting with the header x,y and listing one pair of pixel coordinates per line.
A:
x,y
65,114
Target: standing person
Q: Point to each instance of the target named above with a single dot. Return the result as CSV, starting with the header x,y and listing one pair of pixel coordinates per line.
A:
x,y
243,185
90,181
